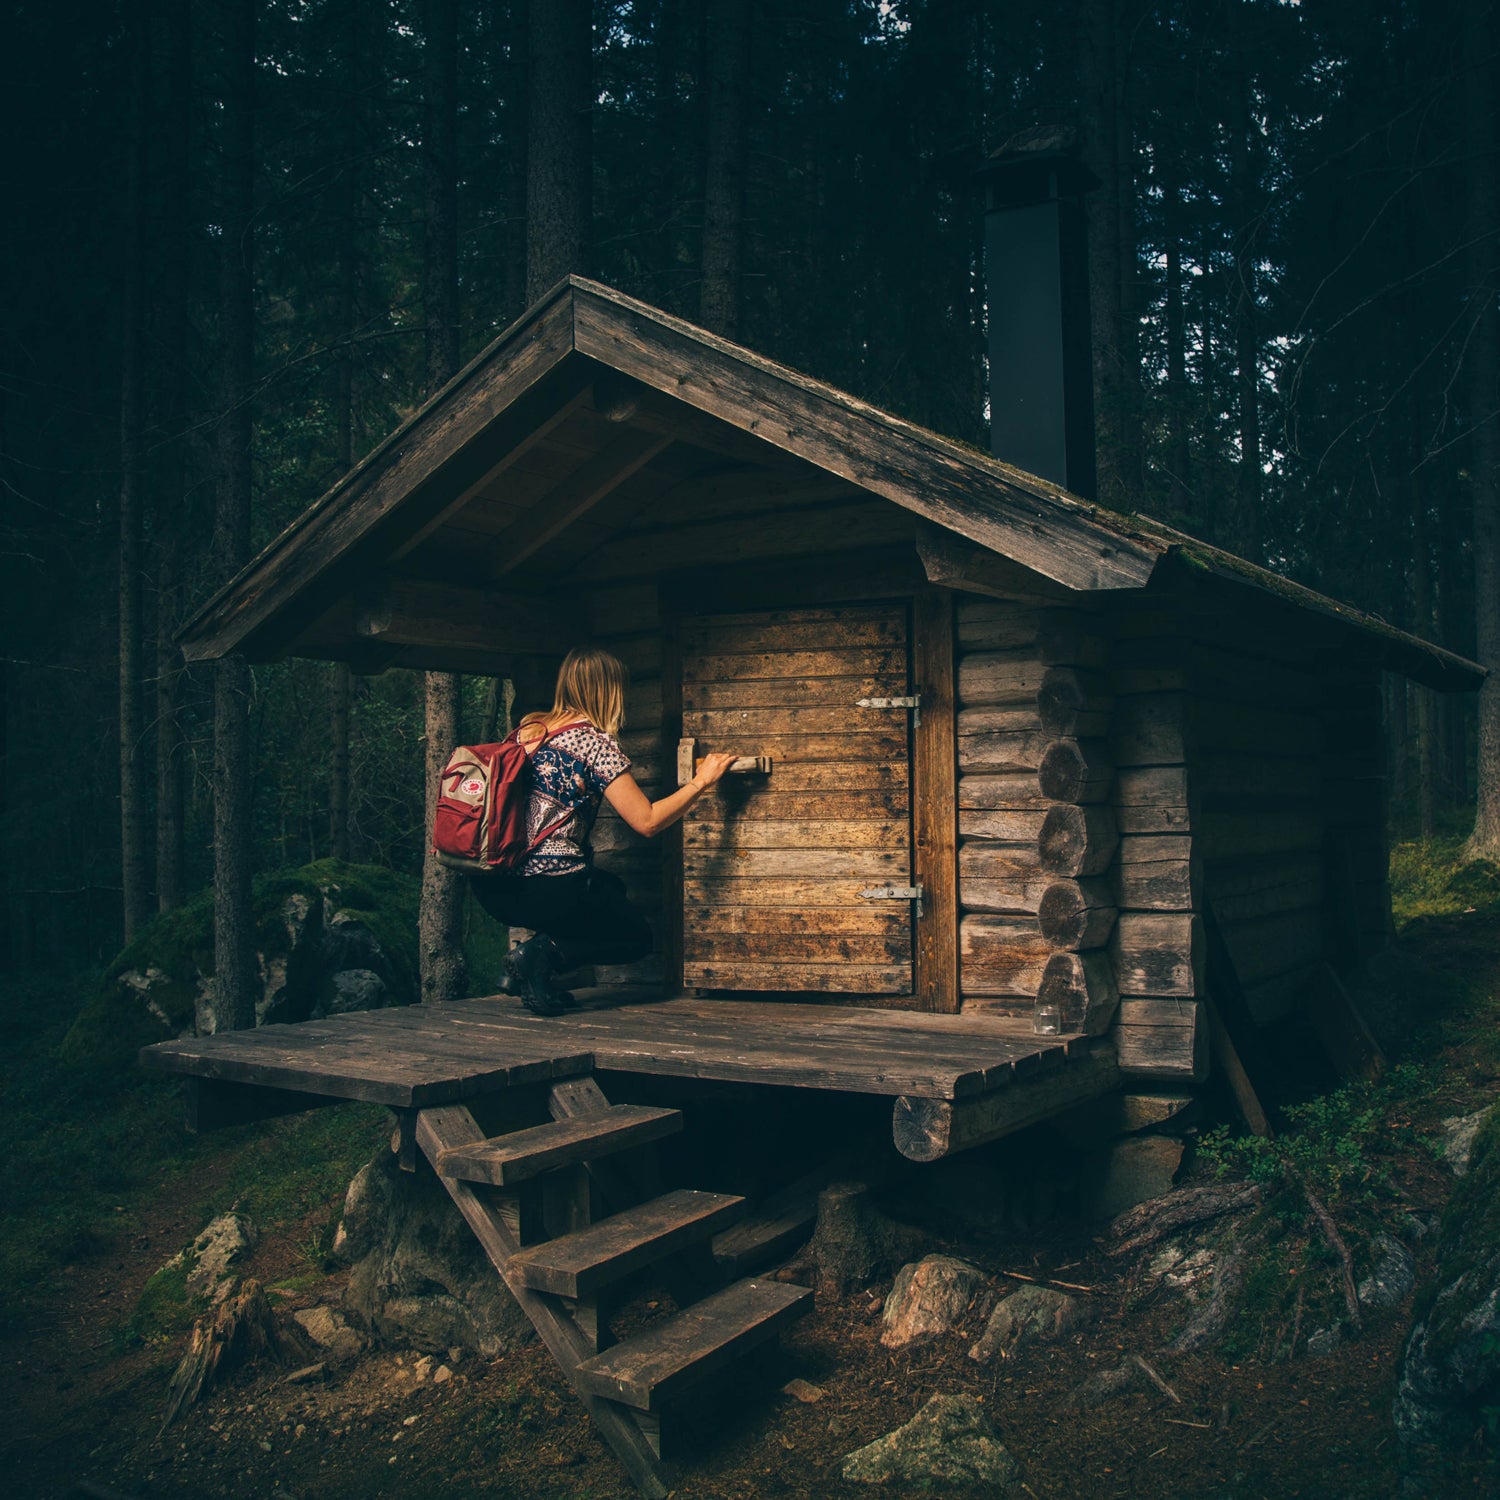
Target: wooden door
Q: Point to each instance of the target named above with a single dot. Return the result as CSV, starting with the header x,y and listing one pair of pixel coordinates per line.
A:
x,y
774,865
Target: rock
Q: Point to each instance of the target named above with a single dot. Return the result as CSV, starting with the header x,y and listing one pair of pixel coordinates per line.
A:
x,y
423,1281
1030,1315
928,1298
211,1257
804,1391
359,1224
442,1375
854,1243
329,937
1455,1140
950,1441
1450,1373
355,989
1392,1277
1133,1170
308,1374
330,1331
1105,1385
1325,1341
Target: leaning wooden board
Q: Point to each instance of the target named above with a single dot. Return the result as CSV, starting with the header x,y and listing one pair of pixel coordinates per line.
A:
x,y
831,819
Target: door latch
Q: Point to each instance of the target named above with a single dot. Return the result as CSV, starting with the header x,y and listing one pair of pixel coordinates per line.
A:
x,y
913,701
895,893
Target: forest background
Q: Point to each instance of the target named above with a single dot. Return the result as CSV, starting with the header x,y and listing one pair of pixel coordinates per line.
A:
x,y
244,239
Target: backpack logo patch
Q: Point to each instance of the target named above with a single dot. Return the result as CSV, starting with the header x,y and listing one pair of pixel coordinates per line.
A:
x,y
473,787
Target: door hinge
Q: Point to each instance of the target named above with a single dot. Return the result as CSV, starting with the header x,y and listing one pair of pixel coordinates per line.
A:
x,y
895,893
913,701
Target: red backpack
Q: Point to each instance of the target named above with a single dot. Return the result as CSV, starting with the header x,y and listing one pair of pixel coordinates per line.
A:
x,y
480,823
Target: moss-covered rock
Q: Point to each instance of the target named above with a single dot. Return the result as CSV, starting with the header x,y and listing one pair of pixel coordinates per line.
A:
x,y
1450,1375
329,937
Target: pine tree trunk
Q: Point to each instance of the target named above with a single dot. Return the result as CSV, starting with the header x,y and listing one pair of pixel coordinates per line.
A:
x,y
234,929
1098,82
559,194
340,696
134,864
1245,189
172,510
351,249
1178,443
170,777
728,49
441,959
1483,399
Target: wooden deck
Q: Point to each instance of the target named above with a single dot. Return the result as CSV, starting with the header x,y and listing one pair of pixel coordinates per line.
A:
x,y
422,1056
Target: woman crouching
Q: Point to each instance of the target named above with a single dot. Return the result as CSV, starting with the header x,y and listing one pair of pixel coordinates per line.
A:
x,y
579,915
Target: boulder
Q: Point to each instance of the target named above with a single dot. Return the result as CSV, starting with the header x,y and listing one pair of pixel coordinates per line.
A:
x,y
1455,1142
1391,1278
330,937
419,1278
930,1296
1030,1315
211,1257
949,1442
1325,1341
329,1329
1450,1372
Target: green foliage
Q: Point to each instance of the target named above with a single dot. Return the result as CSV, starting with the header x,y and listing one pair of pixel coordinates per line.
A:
x,y
1333,1143
1434,879
165,1307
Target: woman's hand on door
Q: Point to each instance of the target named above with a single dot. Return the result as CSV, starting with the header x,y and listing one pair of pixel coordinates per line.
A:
x,y
649,818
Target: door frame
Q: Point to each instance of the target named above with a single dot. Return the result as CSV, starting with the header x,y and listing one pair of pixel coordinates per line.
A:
x,y
875,575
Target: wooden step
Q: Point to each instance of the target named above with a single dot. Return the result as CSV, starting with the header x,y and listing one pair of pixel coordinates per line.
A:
x,y
505,1160
646,1370
578,1265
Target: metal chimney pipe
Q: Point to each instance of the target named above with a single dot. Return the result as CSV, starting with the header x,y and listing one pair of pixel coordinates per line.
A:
x,y
1036,276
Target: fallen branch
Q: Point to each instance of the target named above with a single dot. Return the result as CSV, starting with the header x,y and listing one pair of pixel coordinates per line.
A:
x,y
1335,1242
1156,1380
1147,1223
1066,1286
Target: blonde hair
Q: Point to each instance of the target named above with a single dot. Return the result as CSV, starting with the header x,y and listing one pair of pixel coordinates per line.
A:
x,y
591,685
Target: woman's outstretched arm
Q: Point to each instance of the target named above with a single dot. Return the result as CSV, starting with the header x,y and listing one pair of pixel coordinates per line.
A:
x,y
649,818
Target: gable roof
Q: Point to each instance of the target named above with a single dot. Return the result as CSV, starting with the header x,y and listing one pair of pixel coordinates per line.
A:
x,y
436,462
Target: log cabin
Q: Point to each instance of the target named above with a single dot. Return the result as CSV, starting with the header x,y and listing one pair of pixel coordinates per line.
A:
x,y
1034,784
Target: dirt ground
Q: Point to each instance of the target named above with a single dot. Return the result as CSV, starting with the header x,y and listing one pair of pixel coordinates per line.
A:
x,y
82,1407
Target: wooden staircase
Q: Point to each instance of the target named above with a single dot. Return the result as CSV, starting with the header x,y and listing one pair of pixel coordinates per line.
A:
x,y
531,1198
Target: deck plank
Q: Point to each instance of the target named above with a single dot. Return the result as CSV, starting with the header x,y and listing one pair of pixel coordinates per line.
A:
x,y
421,1055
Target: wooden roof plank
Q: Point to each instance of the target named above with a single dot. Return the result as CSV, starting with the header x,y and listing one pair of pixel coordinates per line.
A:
x,y
500,400
1042,527
577,495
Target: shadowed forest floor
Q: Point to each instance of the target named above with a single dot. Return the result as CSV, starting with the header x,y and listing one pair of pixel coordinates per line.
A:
x,y
85,1364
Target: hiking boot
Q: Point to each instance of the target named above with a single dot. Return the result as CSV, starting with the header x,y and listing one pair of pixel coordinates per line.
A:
x,y
529,969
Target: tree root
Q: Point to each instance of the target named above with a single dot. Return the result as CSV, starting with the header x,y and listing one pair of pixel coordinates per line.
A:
x,y
1147,1223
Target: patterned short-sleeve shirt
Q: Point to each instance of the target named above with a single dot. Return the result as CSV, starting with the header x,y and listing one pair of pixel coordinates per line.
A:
x,y
568,777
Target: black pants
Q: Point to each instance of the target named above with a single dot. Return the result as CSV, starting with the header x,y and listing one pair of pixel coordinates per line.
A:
x,y
587,914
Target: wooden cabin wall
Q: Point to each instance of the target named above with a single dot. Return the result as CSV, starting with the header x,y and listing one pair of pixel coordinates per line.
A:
x,y
1034,834
1259,770
1158,948
626,619
1355,805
